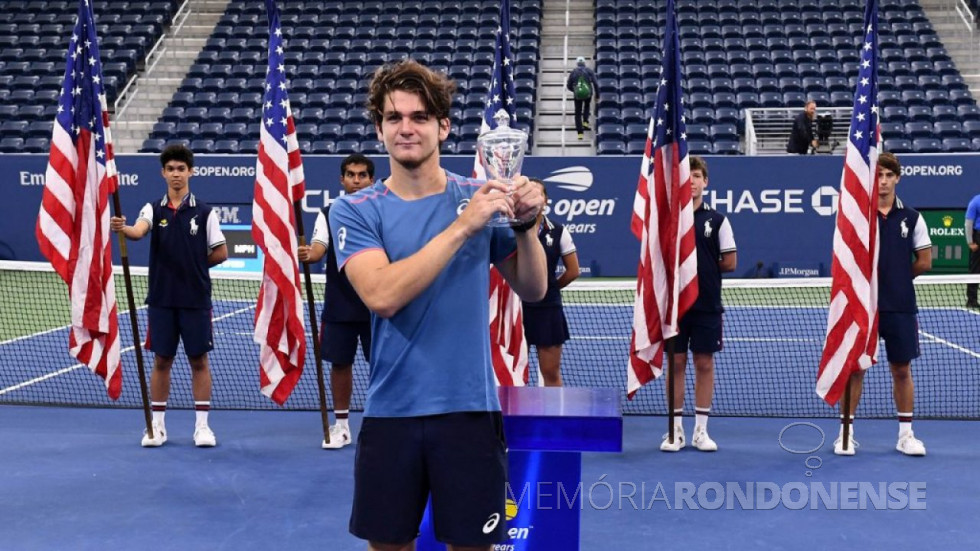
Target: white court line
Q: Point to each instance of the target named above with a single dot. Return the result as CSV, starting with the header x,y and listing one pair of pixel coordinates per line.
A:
x,y
952,345
130,348
62,328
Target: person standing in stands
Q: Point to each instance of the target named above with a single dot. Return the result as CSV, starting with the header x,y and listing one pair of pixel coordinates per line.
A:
x,y
344,318
905,251
583,86
973,241
801,137
186,241
545,325
416,248
700,330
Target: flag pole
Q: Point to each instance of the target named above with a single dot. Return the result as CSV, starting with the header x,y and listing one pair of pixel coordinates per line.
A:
x,y
846,423
670,389
131,302
321,387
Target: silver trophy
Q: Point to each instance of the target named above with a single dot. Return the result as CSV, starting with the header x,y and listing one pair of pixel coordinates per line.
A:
x,y
501,152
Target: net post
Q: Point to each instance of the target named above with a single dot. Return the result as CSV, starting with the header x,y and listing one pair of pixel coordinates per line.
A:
x,y
670,390
301,236
846,421
131,303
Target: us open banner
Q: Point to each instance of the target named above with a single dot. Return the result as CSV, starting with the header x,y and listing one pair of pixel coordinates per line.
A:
x,y
781,208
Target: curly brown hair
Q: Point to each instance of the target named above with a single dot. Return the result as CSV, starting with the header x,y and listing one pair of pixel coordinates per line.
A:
x,y
433,88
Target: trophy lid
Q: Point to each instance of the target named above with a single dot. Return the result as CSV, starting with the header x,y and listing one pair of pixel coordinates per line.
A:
x,y
502,118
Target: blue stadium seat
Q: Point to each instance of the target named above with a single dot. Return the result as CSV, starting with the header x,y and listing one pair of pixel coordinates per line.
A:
x,y
11,145
919,129
972,128
948,129
895,113
943,113
927,145
346,147
722,132
920,113
725,147
636,147
968,111
202,146
698,132
892,130
36,145
226,146
611,148
841,99
953,82
957,145
956,97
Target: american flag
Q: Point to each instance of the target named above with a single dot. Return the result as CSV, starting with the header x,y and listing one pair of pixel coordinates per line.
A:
x,y
507,344
852,324
73,223
663,221
279,183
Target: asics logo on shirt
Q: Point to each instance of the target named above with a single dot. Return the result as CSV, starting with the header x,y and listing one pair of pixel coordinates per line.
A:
x,y
341,238
491,523
905,229
462,206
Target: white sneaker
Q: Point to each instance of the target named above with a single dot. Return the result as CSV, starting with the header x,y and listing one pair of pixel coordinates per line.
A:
x,y
677,444
910,445
159,436
204,437
702,441
339,437
852,444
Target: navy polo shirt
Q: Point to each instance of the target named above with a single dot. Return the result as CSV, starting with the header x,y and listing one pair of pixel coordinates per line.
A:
x,y
180,241
557,242
901,233
341,302
713,235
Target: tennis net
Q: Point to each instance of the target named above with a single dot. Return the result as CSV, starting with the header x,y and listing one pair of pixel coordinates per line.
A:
x,y
773,337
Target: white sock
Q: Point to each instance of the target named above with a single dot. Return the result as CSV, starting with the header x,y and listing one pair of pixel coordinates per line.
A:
x,y
679,419
701,418
201,410
342,421
842,426
159,411
904,423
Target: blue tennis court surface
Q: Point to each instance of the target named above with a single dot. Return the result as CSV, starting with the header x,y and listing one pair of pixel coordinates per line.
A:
x,y
767,367
76,478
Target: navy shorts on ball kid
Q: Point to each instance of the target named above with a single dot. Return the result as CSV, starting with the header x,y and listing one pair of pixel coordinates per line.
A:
x,y
338,341
699,332
460,458
165,326
545,326
900,330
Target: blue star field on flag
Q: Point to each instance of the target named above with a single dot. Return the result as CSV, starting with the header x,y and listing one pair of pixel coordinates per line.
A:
x,y
501,94
668,116
275,106
83,94
864,119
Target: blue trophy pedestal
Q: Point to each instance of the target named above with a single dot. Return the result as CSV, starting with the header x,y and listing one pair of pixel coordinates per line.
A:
x,y
547,429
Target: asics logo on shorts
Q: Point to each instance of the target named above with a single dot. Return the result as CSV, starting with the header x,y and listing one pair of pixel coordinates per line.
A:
x,y
491,523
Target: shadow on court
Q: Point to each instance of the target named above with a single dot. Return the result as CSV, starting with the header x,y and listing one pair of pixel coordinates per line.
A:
x,y
76,478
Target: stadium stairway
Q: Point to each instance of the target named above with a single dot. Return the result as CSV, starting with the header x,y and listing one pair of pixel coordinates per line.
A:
x,y
959,38
567,31
156,84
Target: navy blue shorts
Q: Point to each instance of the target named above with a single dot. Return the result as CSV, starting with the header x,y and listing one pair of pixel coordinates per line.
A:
x,y
338,341
900,330
458,458
165,326
545,326
699,332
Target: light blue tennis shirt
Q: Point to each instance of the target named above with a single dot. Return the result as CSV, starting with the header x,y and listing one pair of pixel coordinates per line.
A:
x,y
433,356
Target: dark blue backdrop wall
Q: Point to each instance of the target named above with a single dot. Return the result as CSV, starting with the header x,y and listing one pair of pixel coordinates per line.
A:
x,y
781,208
